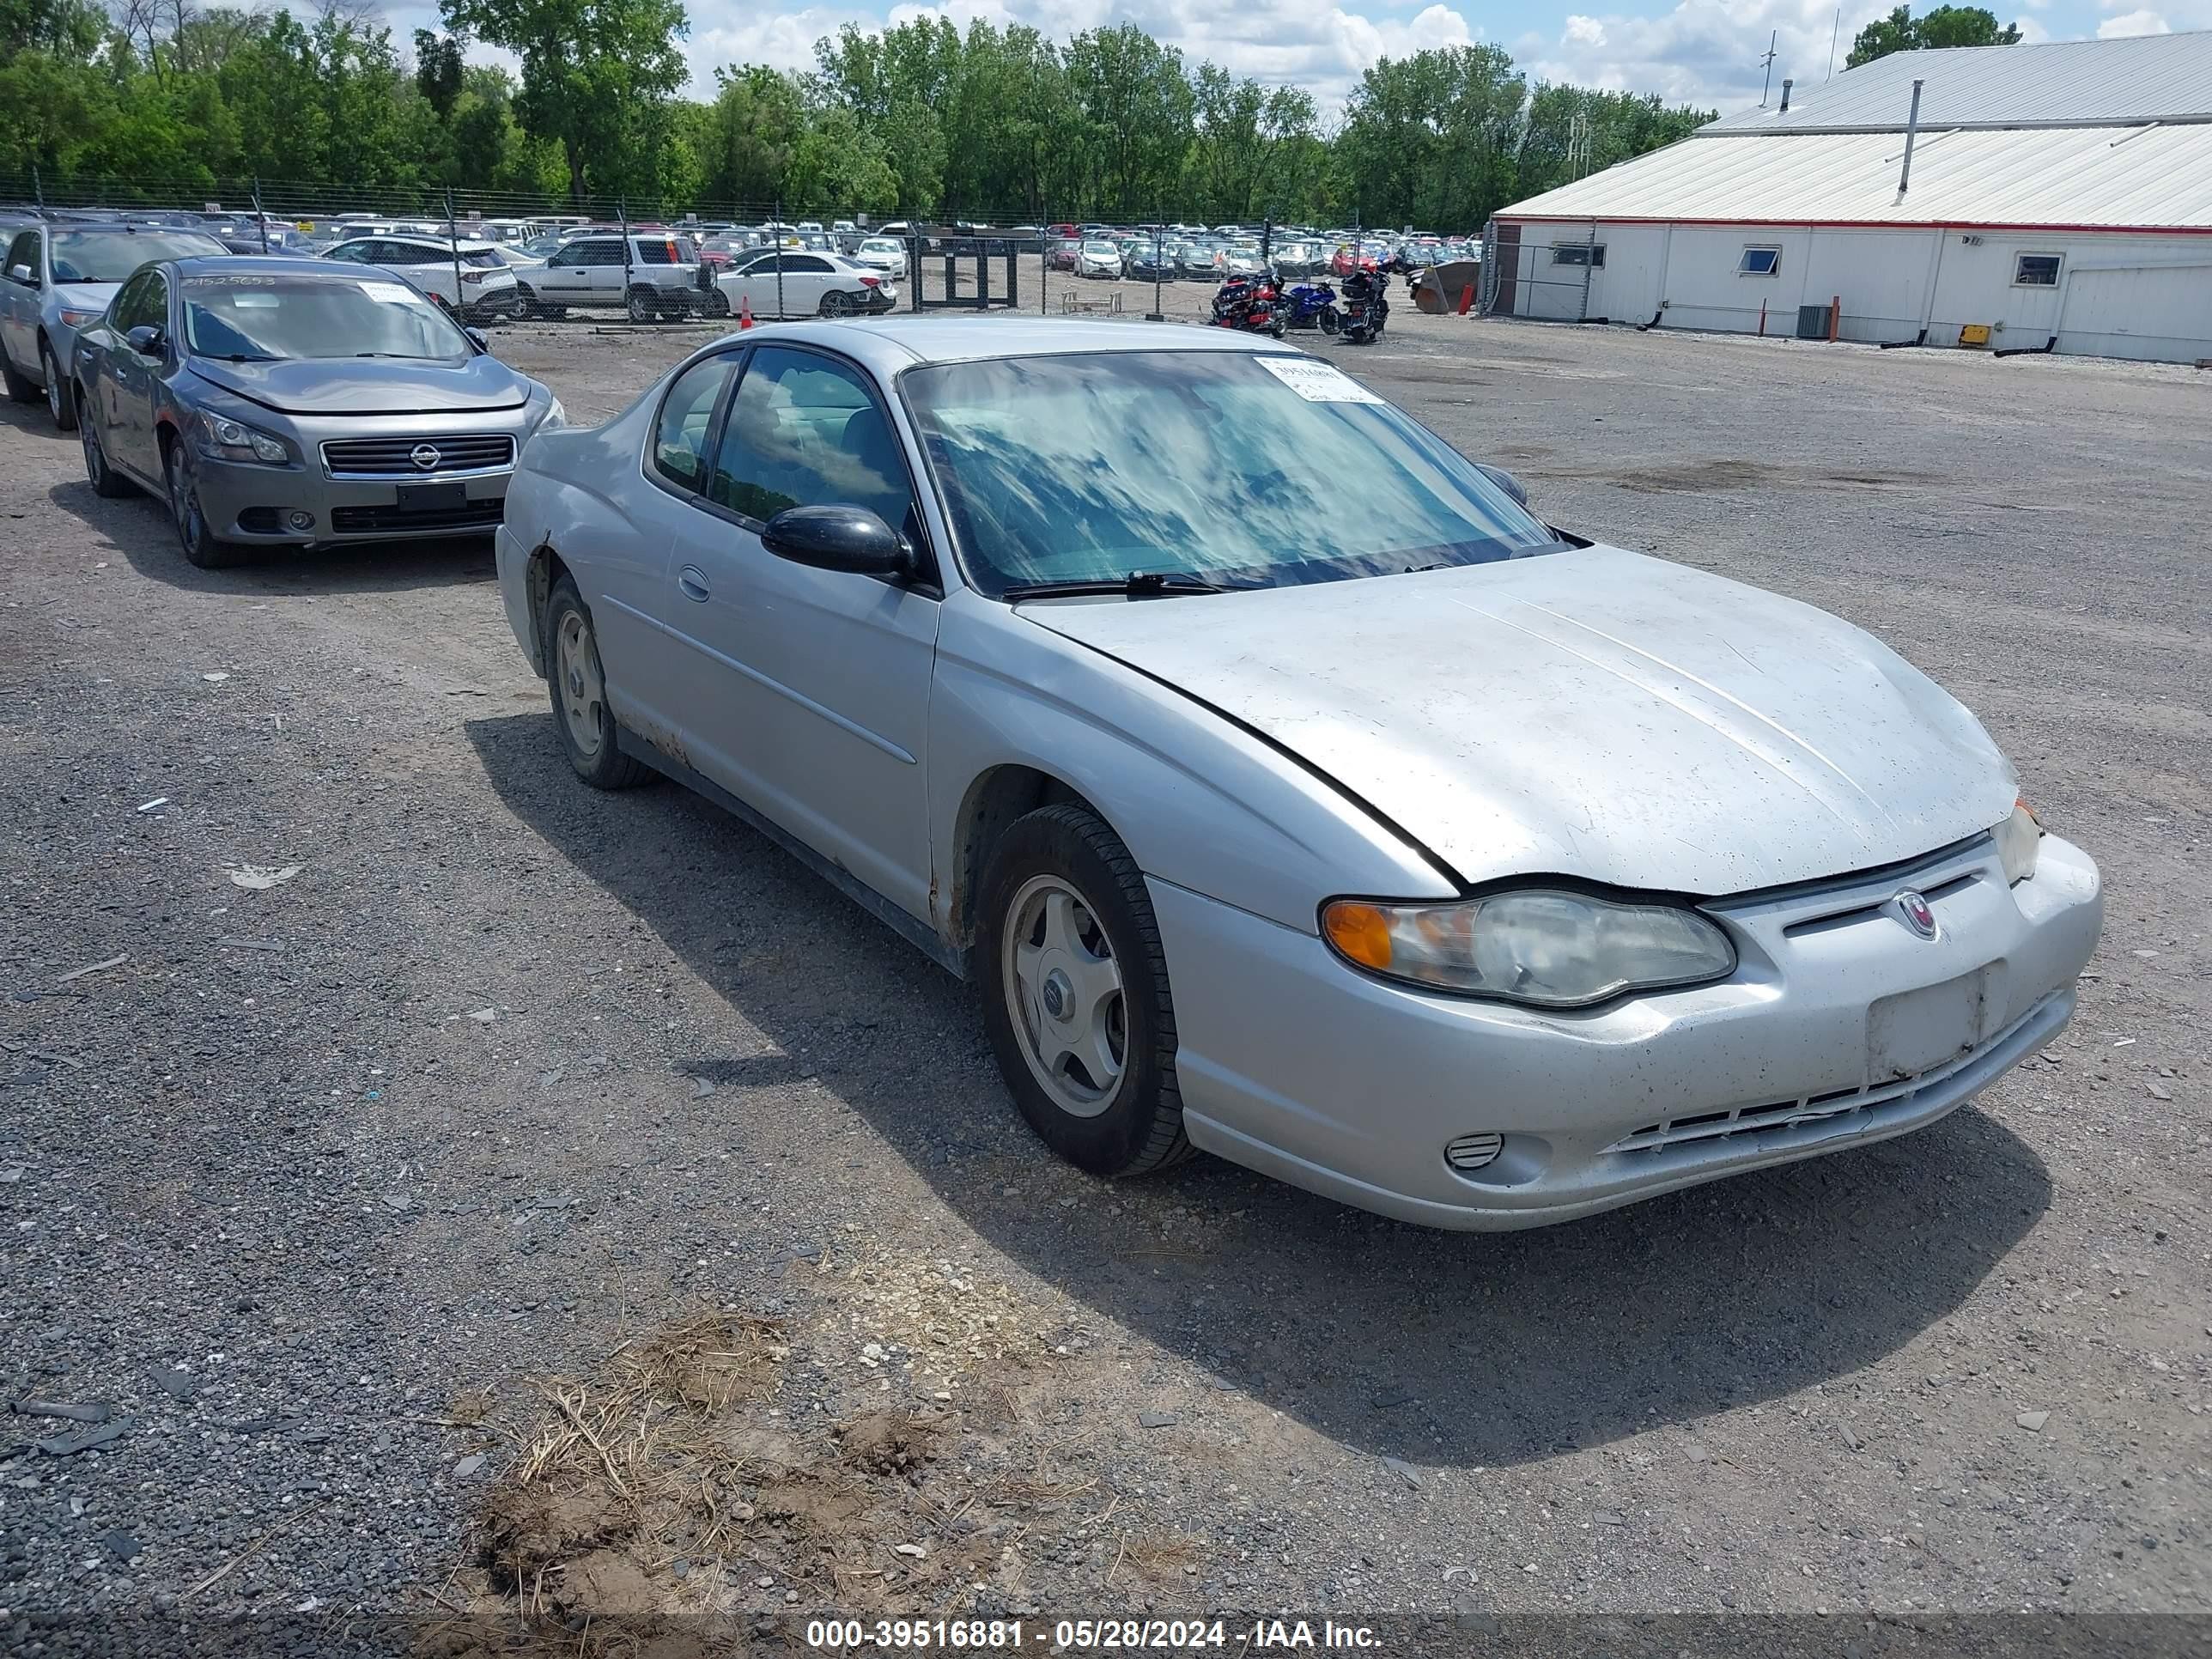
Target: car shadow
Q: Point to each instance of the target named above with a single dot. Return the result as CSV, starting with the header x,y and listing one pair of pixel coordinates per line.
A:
x,y
1465,1349
139,527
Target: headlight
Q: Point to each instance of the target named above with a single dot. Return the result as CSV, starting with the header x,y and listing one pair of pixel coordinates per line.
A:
x,y
2018,840
235,441
555,414
1545,946
77,318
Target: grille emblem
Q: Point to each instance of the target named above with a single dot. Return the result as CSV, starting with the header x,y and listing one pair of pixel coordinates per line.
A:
x,y
425,456
1917,914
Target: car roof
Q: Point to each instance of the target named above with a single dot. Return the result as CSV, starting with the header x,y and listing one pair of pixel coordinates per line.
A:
x,y
887,344
257,265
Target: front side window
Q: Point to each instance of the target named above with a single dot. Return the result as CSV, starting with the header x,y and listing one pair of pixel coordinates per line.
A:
x,y
1760,262
149,306
24,251
803,431
122,311
2037,269
1088,467
687,422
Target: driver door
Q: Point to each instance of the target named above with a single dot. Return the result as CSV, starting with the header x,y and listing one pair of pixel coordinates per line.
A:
x,y
805,692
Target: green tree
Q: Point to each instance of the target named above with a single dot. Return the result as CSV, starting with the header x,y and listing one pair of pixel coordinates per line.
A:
x,y
592,70
1942,25
438,70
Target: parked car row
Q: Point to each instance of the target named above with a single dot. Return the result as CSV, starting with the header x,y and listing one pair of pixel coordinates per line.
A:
x,y
861,586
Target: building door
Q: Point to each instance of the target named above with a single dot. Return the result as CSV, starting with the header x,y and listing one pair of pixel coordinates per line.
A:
x,y
1509,270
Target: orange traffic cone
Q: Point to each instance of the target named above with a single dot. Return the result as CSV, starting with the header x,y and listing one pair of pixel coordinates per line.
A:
x,y
744,314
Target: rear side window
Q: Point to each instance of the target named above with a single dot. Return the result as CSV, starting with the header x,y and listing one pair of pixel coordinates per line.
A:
x,y
687,420
483,260
803,431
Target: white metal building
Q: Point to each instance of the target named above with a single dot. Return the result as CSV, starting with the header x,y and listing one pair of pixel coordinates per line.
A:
x,y
2059,195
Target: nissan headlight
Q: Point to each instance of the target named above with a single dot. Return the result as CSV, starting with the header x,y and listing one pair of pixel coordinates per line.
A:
x,y
1545,946
2018,839
227,439
556,417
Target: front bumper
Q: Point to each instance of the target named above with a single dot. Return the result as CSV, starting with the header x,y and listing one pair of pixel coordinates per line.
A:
x,y
253,504
1295,1065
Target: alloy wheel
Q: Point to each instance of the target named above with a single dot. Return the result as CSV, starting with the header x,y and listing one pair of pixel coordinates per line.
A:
x,y
54,390
1064,991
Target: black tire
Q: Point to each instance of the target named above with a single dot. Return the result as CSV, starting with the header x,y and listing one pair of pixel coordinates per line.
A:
x,y
61,394
642,305
835,303
603,765
203,547
531,305
1139,1129
105,479
718,303
22,388
1331,319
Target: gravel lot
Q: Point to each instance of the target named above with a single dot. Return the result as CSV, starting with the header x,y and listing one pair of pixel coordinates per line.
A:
x,y
506,1070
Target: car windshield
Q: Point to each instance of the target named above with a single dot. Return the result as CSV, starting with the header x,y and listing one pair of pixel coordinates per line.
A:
x,y
1183,465
879,245
109,256
269,319
1101,247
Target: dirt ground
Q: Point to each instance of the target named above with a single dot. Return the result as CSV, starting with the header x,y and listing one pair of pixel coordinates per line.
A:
x,y
336,1188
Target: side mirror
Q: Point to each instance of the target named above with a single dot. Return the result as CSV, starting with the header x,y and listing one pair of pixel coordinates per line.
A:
x,y
478,338
22,274
1506,481
148,340
849,539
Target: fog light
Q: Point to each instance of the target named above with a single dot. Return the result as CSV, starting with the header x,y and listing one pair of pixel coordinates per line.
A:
x,y
1474,1152
299,520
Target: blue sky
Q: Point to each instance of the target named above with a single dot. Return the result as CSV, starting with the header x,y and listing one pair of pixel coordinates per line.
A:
x,y
1705,51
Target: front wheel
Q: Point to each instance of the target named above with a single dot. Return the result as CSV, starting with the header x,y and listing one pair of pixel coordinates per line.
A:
x,y
203,547
61,396
1075,995
579,686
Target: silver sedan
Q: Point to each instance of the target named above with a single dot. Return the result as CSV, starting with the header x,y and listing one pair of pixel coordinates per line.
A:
x,y
1338,817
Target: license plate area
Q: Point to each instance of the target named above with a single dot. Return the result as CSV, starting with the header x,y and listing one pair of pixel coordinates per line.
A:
x,y
433,498
1916,1031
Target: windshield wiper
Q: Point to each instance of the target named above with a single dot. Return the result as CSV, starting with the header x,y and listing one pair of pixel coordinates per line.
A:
x,y
1137,585
241,356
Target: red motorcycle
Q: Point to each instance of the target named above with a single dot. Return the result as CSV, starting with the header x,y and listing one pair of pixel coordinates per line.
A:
x,y
1252,304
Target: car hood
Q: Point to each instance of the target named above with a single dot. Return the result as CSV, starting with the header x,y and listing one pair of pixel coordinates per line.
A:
x,y
369,385
1591,713
85,297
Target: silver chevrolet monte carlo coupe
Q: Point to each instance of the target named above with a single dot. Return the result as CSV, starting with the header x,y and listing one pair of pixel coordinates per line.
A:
x,y
1340,818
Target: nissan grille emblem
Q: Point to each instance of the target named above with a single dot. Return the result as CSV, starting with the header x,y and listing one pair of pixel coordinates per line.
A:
x,y
1918,916
425,456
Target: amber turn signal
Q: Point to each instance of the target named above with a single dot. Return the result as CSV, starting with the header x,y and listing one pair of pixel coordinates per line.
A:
x,y
1359,931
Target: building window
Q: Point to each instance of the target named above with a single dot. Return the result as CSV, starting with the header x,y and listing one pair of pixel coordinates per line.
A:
x,y
1579,253
1760,262
2036,270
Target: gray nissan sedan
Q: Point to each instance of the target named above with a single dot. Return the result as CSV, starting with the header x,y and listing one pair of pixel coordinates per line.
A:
x,y
1286,788
280,401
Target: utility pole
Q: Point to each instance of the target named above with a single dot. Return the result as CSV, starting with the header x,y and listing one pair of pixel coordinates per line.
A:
x,y
1767,85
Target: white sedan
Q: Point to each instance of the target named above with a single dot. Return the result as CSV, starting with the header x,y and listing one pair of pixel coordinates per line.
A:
x,y
1099,259
886,254
1348,822
779,282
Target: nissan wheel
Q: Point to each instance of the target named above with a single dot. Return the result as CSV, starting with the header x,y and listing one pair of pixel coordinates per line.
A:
x,y
1074,984
105,479
203,547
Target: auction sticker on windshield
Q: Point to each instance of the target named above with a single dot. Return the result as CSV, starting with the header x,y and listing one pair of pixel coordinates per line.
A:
x,y
392,294
1317,382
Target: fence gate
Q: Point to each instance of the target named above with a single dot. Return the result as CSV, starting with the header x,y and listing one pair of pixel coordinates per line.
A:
x,y
960,269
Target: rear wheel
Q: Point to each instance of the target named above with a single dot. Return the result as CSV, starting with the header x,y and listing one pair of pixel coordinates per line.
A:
x,y
105,479
579,686
1331,321
836,304
641,305
202,546
531,305
1075,995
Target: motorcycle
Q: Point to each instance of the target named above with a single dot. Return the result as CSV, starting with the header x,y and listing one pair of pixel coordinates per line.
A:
x,y
1252,304
1311,305
1365,308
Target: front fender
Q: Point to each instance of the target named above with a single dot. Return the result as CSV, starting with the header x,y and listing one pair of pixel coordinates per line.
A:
x,y
1198,800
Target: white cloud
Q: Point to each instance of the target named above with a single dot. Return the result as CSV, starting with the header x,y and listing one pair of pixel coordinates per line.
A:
x,y
2133,22
1277,41
1701,52
1584,31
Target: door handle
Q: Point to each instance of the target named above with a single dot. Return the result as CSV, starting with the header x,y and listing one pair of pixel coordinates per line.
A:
x,y
693,581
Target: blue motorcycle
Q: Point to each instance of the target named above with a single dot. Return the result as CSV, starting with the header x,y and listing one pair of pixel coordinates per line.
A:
x,y
1311,305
